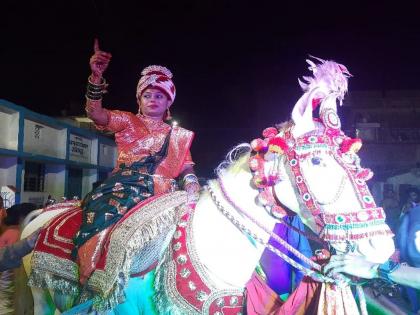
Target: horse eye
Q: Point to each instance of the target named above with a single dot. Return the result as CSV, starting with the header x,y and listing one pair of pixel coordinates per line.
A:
x,y
316,160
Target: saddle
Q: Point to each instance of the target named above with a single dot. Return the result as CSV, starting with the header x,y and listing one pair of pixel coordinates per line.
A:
x,y
131,247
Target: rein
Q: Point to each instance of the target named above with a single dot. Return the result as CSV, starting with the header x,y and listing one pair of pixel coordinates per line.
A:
x,y
315,275
262,227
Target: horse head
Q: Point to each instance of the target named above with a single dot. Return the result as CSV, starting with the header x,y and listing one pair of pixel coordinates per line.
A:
x,y
311,167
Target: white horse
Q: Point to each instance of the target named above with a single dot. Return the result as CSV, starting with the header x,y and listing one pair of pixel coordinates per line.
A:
x,y
308,166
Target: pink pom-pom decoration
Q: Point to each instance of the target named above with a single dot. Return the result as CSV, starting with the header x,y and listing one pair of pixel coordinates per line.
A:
x,y
270,132
265,198
260,181
255,163
258,145
277,145
273,179
351,145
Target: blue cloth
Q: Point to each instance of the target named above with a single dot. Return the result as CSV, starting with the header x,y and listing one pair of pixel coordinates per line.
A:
x,y
410,224
139,297
282,277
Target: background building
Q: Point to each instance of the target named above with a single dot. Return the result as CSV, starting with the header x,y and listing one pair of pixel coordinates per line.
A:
x,y
42,156
388,122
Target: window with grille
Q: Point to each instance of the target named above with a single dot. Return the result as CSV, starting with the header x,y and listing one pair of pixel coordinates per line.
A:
x,y
34,176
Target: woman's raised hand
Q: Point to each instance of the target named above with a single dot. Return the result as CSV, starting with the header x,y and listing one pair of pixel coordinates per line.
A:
x,y
99,61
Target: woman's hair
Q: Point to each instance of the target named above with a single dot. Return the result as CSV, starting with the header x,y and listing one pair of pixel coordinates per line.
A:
x,y
18,212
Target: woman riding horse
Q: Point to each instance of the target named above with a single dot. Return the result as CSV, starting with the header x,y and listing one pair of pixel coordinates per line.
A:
x,y
306,165
151,155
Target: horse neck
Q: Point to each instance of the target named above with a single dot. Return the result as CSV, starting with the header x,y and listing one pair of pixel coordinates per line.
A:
x,y
228,255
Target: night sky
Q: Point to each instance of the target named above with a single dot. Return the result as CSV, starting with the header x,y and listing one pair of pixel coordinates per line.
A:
x,y
235,63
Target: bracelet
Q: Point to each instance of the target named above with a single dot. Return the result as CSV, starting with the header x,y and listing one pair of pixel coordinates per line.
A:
x,y
190,178
386,269
93,96
102,84
95,91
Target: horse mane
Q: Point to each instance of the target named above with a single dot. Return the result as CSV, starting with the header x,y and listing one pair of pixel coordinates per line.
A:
x,y
234,159
240,154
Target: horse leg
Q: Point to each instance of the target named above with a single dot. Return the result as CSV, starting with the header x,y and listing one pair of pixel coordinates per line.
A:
x,y
63,302
43,303
23,293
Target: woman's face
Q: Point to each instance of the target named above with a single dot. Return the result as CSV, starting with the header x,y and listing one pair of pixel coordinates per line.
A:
x,y
153,103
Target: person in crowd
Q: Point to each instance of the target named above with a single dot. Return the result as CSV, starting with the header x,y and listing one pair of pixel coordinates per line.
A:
x,y
406,241
2,214
391,207
412,200
12,222
11,255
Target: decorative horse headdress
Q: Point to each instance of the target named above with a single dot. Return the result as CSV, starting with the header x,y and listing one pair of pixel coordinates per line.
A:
x,y
305,136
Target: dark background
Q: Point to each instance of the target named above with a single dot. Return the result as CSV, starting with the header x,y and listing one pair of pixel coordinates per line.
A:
x,y
235,63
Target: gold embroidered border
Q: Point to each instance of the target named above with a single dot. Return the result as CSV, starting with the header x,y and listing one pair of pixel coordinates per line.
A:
x,y
131,235
168,299
48,263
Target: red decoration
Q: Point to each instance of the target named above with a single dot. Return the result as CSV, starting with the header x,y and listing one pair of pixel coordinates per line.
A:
x,y
351,145
316,102
365,174
269,132
277,145
258,145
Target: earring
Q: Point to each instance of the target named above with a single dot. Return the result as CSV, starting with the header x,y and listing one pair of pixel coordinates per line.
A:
x,y
168,114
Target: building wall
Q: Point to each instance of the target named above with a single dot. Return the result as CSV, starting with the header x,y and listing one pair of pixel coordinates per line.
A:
x,y
388,122
59,146
89,177
55,180
8,170
9,128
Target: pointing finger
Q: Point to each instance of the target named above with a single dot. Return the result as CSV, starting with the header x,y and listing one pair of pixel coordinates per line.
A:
x,y
96,45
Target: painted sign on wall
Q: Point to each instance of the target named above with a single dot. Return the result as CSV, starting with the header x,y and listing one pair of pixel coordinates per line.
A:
x,y
80,149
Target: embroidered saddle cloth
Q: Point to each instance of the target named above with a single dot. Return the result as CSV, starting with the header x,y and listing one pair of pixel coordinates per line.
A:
x,y
132,245
184,286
